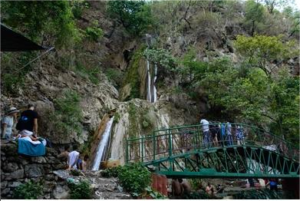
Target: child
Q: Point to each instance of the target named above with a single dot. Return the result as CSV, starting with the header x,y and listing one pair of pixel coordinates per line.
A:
x,y
82,163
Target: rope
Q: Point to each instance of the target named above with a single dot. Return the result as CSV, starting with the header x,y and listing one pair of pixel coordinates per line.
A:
x,y
18,70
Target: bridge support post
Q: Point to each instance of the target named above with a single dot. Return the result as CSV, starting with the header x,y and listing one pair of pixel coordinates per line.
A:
x,y
291,185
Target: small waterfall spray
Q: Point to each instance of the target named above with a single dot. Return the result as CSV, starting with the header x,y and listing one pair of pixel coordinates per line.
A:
x,y
102,145
149,97
154,87
151,89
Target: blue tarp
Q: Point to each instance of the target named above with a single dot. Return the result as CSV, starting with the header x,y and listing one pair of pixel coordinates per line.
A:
x,y
27,148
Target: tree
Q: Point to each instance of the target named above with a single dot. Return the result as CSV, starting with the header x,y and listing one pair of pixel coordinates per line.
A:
x,y
262,49
135,16
254,15
42,19
272,4
284,102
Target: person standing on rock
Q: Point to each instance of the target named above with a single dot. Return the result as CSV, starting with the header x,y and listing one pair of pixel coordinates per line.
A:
x,y
73,158
7,123
28,120
205,129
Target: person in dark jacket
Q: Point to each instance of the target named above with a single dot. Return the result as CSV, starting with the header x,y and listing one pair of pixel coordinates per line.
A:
x,y
28,120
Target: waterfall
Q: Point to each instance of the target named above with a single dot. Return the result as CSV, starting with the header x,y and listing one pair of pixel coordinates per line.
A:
x,y
148,81
151,89
102,145
154,87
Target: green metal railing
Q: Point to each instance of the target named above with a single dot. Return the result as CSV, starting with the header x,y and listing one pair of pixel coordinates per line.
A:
x,y
169,142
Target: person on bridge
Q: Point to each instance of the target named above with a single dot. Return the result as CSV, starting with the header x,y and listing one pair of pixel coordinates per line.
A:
x,y
206,136
239,135
223,133
273,184
228,133
214,132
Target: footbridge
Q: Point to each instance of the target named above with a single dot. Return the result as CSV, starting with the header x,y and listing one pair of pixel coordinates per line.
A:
x,y
239,151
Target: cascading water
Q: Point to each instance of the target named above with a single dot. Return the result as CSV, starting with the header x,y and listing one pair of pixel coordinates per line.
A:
x,y
102,145
149,97
154,87
151,89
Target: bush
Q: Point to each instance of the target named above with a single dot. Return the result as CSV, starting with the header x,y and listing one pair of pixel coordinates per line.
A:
x,y
134,178
111,172
135,16
93,32
82,190
114,75
68,114
29,190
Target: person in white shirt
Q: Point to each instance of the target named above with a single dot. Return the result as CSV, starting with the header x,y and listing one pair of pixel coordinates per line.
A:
x,y
7,123
205,129
73,158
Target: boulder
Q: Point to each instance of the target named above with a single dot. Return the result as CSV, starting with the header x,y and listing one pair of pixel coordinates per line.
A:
x,y
10,167
18,174
61,192
5,191
39,159
14,184
3,184
33,170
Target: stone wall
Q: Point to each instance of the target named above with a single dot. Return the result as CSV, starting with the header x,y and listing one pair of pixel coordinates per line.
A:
x,y
17,169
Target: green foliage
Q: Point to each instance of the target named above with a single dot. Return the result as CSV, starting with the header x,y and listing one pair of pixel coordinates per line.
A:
x,y
111,172
132,75
161,57
284,104
135,16
68,114
42,18
134,178
80,191
114,75
153,194
78,7
14,69
29,190
254,16
91,73
93,32
11,83
260,49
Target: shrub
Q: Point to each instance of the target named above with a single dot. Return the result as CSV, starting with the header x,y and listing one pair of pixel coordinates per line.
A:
x,y
90,73
134,178
93,32
161,57
135,16
114,75
111,172
29,190
82,190
68,114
